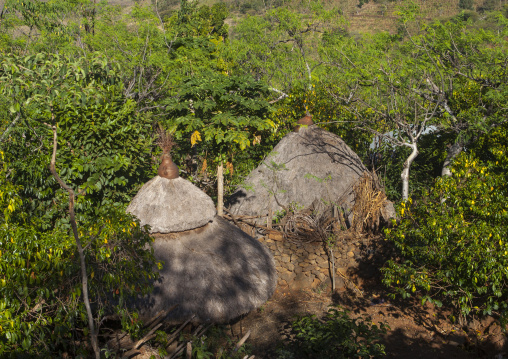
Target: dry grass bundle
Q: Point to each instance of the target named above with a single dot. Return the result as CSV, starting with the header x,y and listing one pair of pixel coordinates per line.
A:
x,y
368,204
165,140
302,227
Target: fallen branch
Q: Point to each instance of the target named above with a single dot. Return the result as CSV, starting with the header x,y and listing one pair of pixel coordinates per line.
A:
x,y
173,336
241,342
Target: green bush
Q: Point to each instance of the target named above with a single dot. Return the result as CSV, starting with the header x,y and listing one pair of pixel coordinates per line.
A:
x,y
466,4
337,336
41,311
452,243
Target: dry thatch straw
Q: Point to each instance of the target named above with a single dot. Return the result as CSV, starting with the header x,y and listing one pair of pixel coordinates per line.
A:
x,y
305,166
370,202
216,272
172,205
165,140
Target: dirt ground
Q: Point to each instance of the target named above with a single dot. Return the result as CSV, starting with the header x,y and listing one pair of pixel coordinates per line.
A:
x,y
415,331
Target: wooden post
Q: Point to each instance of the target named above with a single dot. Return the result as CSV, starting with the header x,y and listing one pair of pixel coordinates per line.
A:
x,y
220,189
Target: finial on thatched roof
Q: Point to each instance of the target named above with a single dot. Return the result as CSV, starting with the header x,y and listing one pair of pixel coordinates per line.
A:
x,y
167,169
306,120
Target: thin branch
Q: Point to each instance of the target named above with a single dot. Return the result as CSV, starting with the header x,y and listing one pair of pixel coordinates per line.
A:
x,y
84,277
4,134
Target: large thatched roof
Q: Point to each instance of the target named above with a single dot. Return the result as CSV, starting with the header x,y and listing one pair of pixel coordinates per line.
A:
x,y
216,272
308,165
172,205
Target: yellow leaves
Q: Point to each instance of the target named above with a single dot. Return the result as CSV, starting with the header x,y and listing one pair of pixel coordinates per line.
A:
x,y
106,240
92,275
256,140
10,207
195,138
229,168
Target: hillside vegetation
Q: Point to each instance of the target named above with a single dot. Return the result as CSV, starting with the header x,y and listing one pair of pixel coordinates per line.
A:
x,y
418,89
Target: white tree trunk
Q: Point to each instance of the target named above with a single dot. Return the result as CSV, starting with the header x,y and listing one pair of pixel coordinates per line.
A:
x,y
453,152
405,171
220,189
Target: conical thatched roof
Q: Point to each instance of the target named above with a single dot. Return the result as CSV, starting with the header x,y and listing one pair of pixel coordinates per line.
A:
x,y
172,205
306,165
216,272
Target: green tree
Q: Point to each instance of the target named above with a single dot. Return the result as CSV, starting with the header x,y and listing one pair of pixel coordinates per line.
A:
x,y
282,47
466,4
225,111
443,244
47,89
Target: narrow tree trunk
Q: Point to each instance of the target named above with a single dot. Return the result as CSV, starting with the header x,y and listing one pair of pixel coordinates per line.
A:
x,y
84,278
453,152
4,135
220,189
405,171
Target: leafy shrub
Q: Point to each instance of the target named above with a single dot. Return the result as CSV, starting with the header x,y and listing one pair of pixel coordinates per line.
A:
x,y
104,150
41,311
337,336
388,162
452,243
216,343
466,4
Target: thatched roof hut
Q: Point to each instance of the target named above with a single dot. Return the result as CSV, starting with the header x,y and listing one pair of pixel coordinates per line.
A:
x,y
172,205
212,269
308,166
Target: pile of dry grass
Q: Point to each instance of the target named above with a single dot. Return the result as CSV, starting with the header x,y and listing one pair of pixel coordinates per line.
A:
x,y
368,204
311,225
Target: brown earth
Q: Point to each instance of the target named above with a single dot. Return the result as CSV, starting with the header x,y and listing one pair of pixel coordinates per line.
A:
x,y
416,331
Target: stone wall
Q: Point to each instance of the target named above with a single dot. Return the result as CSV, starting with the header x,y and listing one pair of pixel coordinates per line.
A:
x,y
307,265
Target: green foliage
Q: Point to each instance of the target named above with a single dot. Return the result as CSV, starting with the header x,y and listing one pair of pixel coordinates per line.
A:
x,y
388,162
452,242
40,307
338,336
488,5
282,46
466,4
103,148
41,310
226,110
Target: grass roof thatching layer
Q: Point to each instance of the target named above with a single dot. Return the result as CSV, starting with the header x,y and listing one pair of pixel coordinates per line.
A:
x,y
216,272
305,166
171,205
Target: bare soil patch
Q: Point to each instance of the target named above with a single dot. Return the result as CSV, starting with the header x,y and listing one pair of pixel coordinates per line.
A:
x,y
416,331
